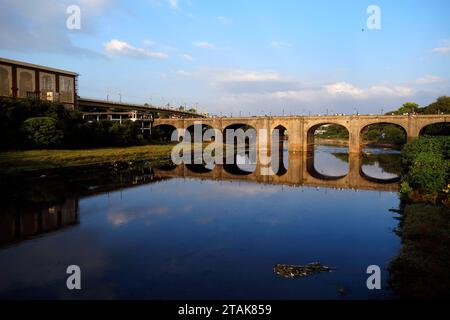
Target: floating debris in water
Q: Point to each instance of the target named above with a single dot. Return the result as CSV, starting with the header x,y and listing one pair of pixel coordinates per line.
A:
x,y
294,271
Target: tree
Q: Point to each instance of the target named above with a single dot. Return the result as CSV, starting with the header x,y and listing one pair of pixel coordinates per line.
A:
x,y
408,107
125,134
42,132
441,105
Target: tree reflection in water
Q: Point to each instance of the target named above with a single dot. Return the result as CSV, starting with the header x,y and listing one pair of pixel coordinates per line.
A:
x,y
421,268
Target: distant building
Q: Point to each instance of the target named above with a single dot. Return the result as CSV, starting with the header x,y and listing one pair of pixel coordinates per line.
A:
x,y
26,80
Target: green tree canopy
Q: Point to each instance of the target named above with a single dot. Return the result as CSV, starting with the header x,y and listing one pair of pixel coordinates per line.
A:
x,y
408,107
441,105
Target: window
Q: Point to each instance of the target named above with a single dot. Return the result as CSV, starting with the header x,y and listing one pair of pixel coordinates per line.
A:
x,y
66,89
25,82
5,81
47,84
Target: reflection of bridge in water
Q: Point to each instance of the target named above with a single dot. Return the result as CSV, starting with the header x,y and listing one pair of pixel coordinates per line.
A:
x,y
26,221
299,172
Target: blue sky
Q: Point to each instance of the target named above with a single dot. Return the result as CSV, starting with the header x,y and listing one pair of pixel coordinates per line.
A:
x,y
241,57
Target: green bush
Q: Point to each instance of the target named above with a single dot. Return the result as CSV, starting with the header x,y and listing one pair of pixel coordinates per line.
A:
x,y
428,173
124,134
438,145
42,132
426,165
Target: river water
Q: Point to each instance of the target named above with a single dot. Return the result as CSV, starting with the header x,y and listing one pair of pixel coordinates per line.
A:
x,y
184,233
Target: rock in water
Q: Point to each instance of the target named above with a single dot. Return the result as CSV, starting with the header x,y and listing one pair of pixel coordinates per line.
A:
x,y
294,271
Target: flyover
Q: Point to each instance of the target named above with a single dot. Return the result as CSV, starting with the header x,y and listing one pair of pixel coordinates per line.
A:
x,y
89,105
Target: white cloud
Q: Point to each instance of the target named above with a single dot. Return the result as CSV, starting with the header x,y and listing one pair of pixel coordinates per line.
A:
x,y
395,91
347,89
246,75
444,48
118,47
280,44
173,4
430,79
186,56
120,218
150,43
203,45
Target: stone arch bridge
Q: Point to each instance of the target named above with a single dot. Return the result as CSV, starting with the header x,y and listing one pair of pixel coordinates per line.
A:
x,y
301,130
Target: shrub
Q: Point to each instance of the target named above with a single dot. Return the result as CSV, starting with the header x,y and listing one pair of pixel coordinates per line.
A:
x,y
42,132
437,145
426,166
428,173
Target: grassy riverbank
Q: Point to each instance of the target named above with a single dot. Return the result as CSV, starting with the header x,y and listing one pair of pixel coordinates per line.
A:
x,y
16,162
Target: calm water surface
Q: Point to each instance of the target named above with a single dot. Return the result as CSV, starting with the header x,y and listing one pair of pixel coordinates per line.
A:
x,y
165,235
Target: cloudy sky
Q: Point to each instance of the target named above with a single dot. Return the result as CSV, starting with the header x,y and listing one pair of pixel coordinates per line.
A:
x,y
241,56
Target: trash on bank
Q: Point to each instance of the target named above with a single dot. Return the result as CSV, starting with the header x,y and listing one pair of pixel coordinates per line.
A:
x,y
297,271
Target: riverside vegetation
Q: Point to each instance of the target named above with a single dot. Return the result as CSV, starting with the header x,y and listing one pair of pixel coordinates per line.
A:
x,y
420,270
38,135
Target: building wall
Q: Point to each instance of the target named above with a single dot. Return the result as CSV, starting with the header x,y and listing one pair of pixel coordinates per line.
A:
x,y
25,81
5,80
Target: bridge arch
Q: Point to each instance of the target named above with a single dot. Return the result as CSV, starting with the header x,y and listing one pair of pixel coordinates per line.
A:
x,y
391,120
283,133
437,128
163,132
202,127
280,150
236,126
381,131
312,130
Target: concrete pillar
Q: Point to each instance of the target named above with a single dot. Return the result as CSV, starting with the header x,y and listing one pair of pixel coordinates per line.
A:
x,y
264,138
295,133
354,145
305,137
412,129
